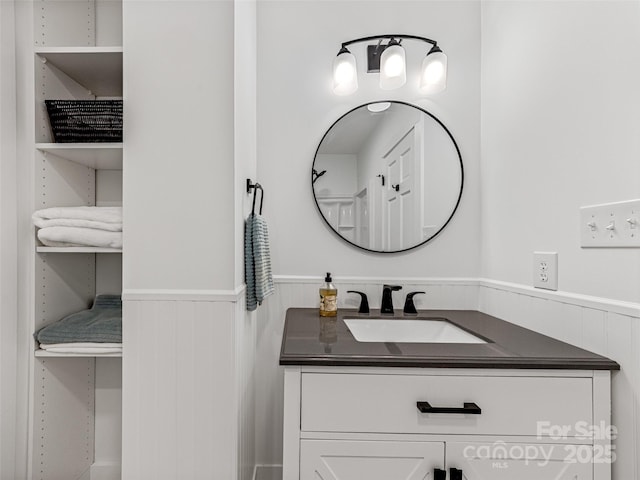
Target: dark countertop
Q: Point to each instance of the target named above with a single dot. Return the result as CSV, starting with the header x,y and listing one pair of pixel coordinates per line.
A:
x,y
309,339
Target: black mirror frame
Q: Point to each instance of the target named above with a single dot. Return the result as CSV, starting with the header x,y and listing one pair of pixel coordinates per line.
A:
x,y
455,208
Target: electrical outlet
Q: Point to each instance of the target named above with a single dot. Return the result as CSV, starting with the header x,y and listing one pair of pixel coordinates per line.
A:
x,y
545,270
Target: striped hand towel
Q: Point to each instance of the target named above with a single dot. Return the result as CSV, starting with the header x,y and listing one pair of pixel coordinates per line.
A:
x,y
257,261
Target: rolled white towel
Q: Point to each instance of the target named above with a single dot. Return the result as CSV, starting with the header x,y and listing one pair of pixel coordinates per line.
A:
x,y
101,218
79,237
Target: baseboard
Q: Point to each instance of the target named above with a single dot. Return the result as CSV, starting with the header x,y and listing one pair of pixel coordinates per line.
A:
x,y
103,471
267,472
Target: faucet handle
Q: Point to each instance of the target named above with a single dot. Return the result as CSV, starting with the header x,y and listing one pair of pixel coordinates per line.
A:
x,y
393,288
364,303
409,306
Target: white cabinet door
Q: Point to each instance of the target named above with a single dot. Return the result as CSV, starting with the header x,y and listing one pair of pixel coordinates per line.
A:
x,y
509,461
370,460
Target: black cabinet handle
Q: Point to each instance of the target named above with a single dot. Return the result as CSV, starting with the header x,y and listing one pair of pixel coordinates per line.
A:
x,y
439,474
469,408
455,474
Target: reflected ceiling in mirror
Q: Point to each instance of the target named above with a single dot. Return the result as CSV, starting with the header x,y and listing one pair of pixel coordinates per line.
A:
x,y
387,179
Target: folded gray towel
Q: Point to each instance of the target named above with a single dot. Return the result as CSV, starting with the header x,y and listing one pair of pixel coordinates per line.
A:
x,y
257,261
102,323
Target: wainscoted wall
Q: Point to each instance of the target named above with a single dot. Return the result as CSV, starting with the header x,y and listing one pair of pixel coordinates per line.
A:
x,y
187,386
294,291
610,328
607,327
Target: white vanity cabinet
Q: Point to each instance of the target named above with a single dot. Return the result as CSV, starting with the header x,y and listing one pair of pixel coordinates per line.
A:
x,y
364,422
347,459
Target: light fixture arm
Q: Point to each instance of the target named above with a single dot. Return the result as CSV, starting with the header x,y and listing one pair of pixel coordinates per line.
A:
x,y
380,37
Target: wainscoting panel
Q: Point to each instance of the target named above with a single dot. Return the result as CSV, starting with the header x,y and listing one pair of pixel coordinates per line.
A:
x,y
591,323
245,361
187,389
292,291
610,328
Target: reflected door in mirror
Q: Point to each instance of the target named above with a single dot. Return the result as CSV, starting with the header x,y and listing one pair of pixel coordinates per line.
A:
x,y
393,179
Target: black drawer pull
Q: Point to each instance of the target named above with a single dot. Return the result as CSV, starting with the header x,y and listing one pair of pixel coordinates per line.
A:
x,y
469,408
439,474
455,474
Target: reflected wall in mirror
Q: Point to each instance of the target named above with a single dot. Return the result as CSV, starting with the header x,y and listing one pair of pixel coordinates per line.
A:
x,y
387,176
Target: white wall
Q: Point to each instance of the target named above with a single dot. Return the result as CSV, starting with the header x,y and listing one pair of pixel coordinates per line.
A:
x,y
8,243
245,163
559,130
190,144
179,135
297,41
599,325
560,123
245,119
341,177
23,182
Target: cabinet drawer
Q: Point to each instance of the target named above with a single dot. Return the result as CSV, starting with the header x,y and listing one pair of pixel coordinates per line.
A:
x,y
387,404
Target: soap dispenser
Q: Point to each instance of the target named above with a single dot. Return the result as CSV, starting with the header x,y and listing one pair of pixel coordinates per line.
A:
x,y
328,298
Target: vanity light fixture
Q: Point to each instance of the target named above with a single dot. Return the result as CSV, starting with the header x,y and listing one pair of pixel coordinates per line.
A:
x,y
389,60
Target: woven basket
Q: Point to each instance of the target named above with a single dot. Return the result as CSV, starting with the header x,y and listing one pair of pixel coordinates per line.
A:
x,y
79,121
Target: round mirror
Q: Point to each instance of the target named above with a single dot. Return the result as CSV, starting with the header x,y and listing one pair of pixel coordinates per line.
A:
x,y
387,176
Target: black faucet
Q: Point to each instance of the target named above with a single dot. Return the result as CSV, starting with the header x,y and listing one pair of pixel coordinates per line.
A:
x,y
387,301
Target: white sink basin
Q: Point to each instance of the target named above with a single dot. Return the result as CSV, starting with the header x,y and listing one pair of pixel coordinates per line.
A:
x,y
397,330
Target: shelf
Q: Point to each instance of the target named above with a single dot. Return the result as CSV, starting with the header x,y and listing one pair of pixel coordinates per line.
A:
x,y
335,199
99,156
44,353
42,249
98,69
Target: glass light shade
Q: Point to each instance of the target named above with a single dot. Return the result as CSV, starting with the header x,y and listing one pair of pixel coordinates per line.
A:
x,y
433,74
345,74
393,71
378,107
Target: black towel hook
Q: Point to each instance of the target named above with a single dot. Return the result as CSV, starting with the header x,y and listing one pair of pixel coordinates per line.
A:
x,y
255,187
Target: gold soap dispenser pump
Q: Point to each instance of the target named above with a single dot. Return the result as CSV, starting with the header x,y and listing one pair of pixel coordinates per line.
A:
x,y
328,298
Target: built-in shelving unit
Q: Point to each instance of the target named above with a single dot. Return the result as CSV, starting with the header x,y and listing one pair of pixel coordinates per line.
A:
x,y
77,250
76,398
44,353
339,212
98,156
98,69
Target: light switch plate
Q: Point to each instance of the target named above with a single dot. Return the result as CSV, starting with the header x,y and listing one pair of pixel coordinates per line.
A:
x,y
610,225
545,270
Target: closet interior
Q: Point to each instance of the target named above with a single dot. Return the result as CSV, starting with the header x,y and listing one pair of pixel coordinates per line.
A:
x,y
75,398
